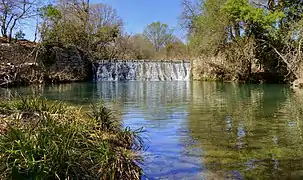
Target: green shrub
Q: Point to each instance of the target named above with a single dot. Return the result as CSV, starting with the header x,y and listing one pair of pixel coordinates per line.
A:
x,y
56,141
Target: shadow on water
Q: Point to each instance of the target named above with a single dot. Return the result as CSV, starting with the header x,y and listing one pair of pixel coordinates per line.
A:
x,y
203,130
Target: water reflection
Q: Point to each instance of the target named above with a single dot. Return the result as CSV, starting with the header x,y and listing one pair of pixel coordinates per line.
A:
x,y
247,131
203,130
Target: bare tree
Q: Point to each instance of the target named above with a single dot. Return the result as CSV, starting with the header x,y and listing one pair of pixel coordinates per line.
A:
x,y
191,9
105,27
13,12
103,15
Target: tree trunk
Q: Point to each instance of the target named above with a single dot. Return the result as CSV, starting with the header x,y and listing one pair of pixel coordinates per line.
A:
x,y
237,29
11,30
230,31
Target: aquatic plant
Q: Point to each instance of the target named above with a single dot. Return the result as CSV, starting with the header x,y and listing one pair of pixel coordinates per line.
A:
x,y
52,140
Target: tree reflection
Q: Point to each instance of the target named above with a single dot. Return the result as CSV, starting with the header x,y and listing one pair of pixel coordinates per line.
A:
x,y
247,131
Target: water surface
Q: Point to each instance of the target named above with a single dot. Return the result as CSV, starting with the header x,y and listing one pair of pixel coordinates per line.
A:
x,y
203,130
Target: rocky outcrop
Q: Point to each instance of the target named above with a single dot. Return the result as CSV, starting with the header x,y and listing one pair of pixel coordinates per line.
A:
x,y
54,65
16,53
65,64
23,74
298,83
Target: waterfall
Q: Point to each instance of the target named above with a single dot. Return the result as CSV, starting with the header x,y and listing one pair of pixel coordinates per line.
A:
x,y
142,71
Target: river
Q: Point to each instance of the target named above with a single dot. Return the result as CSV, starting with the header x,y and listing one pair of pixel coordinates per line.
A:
x,y
202,130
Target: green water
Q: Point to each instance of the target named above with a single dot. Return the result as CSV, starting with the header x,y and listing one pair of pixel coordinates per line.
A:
x,y
203,130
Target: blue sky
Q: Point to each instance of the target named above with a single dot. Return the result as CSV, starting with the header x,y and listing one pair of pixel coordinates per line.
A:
x,y
137,14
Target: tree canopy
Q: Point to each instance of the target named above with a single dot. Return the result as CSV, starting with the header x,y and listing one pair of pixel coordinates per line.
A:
x,y
158,34
245,32
274,27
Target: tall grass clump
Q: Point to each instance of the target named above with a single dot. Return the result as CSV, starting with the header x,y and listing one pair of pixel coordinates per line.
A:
x,y
40,139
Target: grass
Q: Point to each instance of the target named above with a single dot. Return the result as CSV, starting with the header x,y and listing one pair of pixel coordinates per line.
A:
x,y
40,139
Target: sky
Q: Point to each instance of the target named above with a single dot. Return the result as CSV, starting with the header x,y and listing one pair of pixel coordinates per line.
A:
x,y
137,14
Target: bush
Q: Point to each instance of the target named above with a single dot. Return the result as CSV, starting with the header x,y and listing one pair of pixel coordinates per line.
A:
x,y
51,140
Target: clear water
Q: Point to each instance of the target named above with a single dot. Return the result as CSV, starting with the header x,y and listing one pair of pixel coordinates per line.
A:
x,y
203,130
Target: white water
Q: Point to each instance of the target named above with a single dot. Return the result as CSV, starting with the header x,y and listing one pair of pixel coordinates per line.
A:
x,y
142,71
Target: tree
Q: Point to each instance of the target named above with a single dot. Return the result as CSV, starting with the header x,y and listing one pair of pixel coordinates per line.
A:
x,y
105,29
93,30
51,17
191,10
13,12
244,32
141,48
19,35
102,15
158,34
211,28
176,49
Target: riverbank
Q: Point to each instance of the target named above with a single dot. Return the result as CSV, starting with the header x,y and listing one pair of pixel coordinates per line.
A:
x,y
217,68
23,64
27,63
40,139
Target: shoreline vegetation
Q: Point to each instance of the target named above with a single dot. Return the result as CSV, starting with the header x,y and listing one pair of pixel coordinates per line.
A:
x,y
227,40
42,139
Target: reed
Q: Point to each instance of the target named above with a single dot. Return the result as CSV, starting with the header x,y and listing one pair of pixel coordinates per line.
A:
x,y
40,139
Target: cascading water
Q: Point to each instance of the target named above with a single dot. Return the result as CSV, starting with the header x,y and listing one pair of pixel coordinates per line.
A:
x,y
142,71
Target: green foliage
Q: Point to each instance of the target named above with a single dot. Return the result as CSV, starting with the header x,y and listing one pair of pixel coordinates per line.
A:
x,y
222,28
176,49
103,116
243,11
50,12
101,41
141,48
158,34
38,105
47,140
210,28
98,31
92,30
19,35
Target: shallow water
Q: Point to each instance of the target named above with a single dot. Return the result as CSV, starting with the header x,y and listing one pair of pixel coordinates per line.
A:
x,y
203,130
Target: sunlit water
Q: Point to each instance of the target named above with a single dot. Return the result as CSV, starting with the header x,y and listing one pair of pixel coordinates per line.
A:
x,y
202,130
